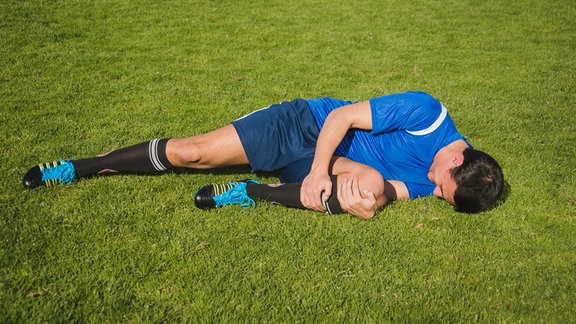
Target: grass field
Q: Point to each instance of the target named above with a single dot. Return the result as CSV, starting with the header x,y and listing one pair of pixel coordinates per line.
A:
x,y
80,77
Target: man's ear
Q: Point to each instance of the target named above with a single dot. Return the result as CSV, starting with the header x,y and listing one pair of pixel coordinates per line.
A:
x,y
457,159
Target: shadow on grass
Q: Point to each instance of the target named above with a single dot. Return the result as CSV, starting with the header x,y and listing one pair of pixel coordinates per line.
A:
x,y
233,170
506,191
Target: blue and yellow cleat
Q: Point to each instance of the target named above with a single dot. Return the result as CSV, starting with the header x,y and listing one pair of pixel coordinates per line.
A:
x,y
230,193
49,174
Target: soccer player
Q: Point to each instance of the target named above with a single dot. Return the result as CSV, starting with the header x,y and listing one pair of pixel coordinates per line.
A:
x,y
333,155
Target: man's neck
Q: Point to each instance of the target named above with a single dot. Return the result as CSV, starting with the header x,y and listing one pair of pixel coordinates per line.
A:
x,y
455,147
447,154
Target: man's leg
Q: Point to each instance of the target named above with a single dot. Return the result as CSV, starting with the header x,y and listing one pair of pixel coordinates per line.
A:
x,y
368,179
289,194
343,170
221,147
146,157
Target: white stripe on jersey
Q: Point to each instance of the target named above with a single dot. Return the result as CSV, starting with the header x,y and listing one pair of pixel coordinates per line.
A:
x,y
434,126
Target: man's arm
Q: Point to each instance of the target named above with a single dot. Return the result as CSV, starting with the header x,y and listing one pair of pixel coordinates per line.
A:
x,y
317,186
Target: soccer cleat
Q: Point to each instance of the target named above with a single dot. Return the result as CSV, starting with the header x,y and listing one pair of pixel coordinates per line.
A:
x,y
49,174
230,193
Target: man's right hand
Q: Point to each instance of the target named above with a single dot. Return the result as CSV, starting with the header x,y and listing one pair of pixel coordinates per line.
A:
x,y
316,188
361,203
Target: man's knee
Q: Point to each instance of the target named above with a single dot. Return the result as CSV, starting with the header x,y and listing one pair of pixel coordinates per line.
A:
x,y
221,147
182,151
372,180
368,178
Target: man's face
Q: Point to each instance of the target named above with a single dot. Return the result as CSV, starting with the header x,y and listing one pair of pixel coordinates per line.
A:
x,y
440,175
445,187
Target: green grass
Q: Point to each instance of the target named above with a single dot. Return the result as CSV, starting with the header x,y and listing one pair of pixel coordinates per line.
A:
x,y
79,77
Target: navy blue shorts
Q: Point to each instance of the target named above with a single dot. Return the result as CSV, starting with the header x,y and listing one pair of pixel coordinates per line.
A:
x,y
280,138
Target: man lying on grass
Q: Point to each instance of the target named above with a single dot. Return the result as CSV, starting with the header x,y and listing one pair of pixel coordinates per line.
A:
x,y
333,156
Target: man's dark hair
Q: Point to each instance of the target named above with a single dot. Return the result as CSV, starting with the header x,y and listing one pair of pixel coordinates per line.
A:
x,y
479,182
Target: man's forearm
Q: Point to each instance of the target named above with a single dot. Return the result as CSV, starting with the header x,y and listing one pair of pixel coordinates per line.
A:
x,y
331,135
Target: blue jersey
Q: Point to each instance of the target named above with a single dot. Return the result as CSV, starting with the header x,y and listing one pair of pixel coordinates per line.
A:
x,y
408,129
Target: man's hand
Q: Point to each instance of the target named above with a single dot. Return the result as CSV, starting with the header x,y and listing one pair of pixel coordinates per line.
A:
x,y
361,203
316,188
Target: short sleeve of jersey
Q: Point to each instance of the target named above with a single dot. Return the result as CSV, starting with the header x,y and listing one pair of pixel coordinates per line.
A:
x,y
416,190
411,111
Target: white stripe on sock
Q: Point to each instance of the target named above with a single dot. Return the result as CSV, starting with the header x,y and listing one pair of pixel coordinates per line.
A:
x,y
153,154
325,203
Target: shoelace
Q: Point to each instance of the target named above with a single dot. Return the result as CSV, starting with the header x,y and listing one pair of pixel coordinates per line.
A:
x,y
63,172
236,195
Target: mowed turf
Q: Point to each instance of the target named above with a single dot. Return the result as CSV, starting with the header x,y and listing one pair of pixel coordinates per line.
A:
x,y
79,78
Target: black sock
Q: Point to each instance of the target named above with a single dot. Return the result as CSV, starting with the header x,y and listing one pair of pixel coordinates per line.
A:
x,y
145,157
288,195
